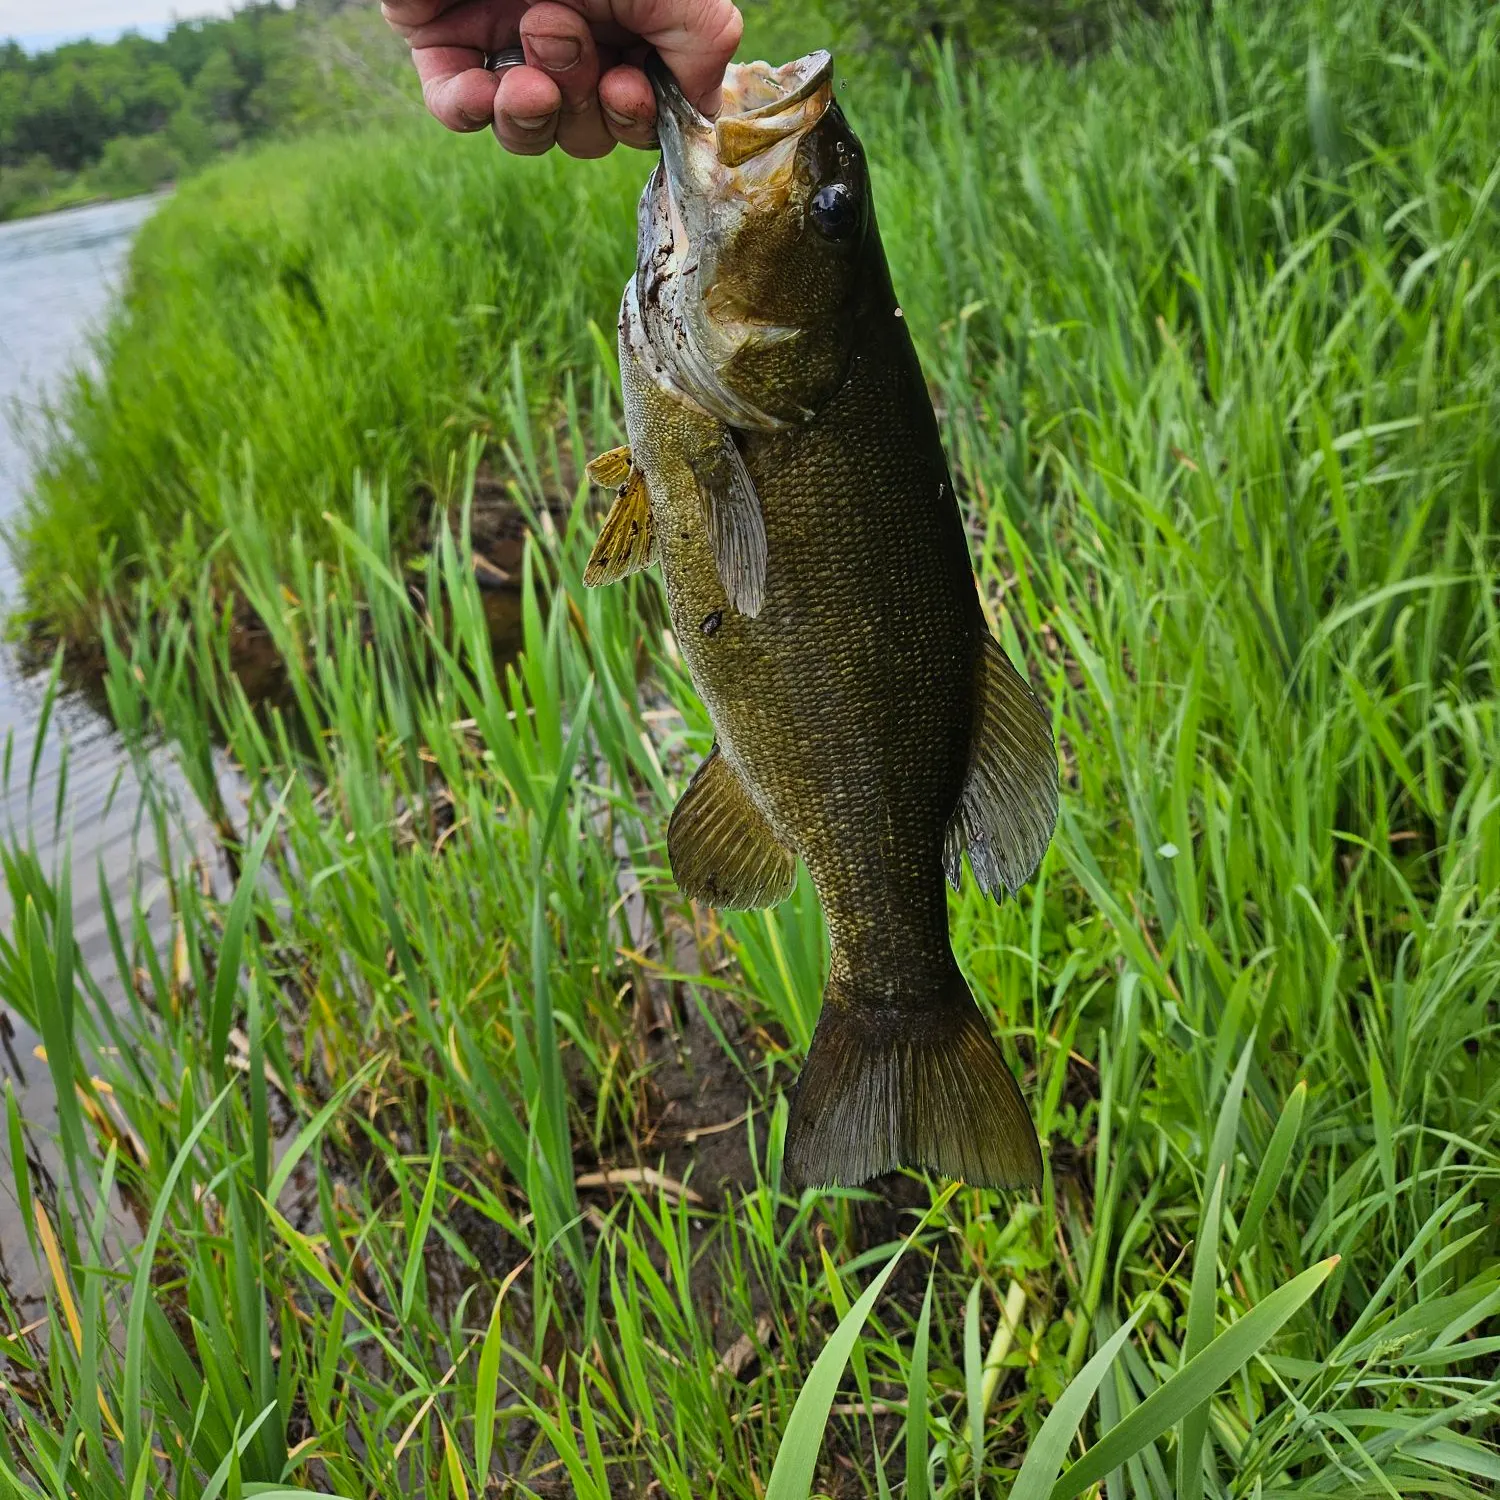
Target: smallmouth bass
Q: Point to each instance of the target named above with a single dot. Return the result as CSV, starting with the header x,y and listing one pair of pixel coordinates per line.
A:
x,y
784,466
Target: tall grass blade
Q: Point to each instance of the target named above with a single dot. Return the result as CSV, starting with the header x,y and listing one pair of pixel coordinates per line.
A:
x,y
797,1453
136,1434
1202,1296
1194,1383
915,1426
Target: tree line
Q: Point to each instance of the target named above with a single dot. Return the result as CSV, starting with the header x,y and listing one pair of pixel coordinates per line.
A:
x,y
92,118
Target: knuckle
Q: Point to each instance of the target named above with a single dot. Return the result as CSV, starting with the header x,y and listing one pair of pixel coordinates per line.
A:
x,y
717,24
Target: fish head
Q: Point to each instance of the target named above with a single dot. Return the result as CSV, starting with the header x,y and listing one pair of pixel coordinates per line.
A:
x,y
752,238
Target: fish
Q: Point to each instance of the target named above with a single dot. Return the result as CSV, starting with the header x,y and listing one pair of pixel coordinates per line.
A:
x,y
785,469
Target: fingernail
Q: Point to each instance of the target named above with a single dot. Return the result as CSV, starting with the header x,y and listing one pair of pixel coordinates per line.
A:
x,y
475,120
530,122
555,53
625,122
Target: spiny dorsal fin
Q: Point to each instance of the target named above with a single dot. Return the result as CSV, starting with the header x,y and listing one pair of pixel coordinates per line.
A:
x,y
736,528
1009,805
626,542
721,848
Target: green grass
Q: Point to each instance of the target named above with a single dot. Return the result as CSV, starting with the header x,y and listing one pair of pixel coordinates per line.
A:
x,y
1213,325
347,301
323,306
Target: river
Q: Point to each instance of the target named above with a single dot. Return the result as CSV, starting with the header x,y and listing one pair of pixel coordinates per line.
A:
x,y
57,276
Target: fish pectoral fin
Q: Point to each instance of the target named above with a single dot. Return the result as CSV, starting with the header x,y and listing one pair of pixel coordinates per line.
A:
x,y
1008,809
721,849
626,541
610,470
736,527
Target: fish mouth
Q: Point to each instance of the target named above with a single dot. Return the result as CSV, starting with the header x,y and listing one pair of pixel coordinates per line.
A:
x,y
715,172
763,107
752,91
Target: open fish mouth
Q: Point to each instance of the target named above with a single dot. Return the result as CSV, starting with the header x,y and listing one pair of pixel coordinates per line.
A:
x,y
757,98
714,172
763,108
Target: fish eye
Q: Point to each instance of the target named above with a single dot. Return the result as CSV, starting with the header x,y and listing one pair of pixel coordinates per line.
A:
x,y
834,211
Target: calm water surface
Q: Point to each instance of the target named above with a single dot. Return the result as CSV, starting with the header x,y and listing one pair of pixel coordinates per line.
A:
x,y
58,274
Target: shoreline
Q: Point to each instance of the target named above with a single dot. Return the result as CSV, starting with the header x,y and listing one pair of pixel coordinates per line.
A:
x,y
64,203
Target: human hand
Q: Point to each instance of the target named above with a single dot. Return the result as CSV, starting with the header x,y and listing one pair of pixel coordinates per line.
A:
x,y
582,86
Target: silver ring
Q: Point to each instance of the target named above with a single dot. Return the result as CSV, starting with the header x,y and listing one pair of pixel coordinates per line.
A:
x,y
507,58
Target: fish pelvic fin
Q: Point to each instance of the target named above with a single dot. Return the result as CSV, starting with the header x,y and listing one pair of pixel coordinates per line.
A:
x,y
925,1087
626,541
736,527
721,849
1008,809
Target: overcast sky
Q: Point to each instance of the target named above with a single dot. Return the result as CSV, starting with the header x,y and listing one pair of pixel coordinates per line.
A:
x,y
38,24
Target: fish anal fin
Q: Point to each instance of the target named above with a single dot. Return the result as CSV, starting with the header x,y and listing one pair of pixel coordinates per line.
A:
x,y
1008,809
736,527
910,1086
722,850
626,541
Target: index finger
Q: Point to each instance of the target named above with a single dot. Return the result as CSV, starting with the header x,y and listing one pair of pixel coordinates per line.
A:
x,y
696,39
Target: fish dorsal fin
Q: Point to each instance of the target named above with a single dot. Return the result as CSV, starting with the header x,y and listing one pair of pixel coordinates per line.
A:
x,y
736,528
722,850
1009,805
626,542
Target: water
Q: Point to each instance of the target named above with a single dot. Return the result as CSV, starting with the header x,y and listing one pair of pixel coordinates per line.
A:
x,y
57,276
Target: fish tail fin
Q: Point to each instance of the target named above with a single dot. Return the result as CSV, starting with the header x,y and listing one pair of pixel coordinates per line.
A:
x,y
926,1087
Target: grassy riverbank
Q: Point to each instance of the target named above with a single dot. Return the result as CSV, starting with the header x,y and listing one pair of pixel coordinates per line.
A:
x,y
454,1146
325,307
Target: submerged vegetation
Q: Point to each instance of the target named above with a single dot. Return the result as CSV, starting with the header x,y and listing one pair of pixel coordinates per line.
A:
x,y
439,1141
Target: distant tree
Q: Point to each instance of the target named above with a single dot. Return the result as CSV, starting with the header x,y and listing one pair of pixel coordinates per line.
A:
x,y
218,90
188,45
205,88
65,119
15,89
135,164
